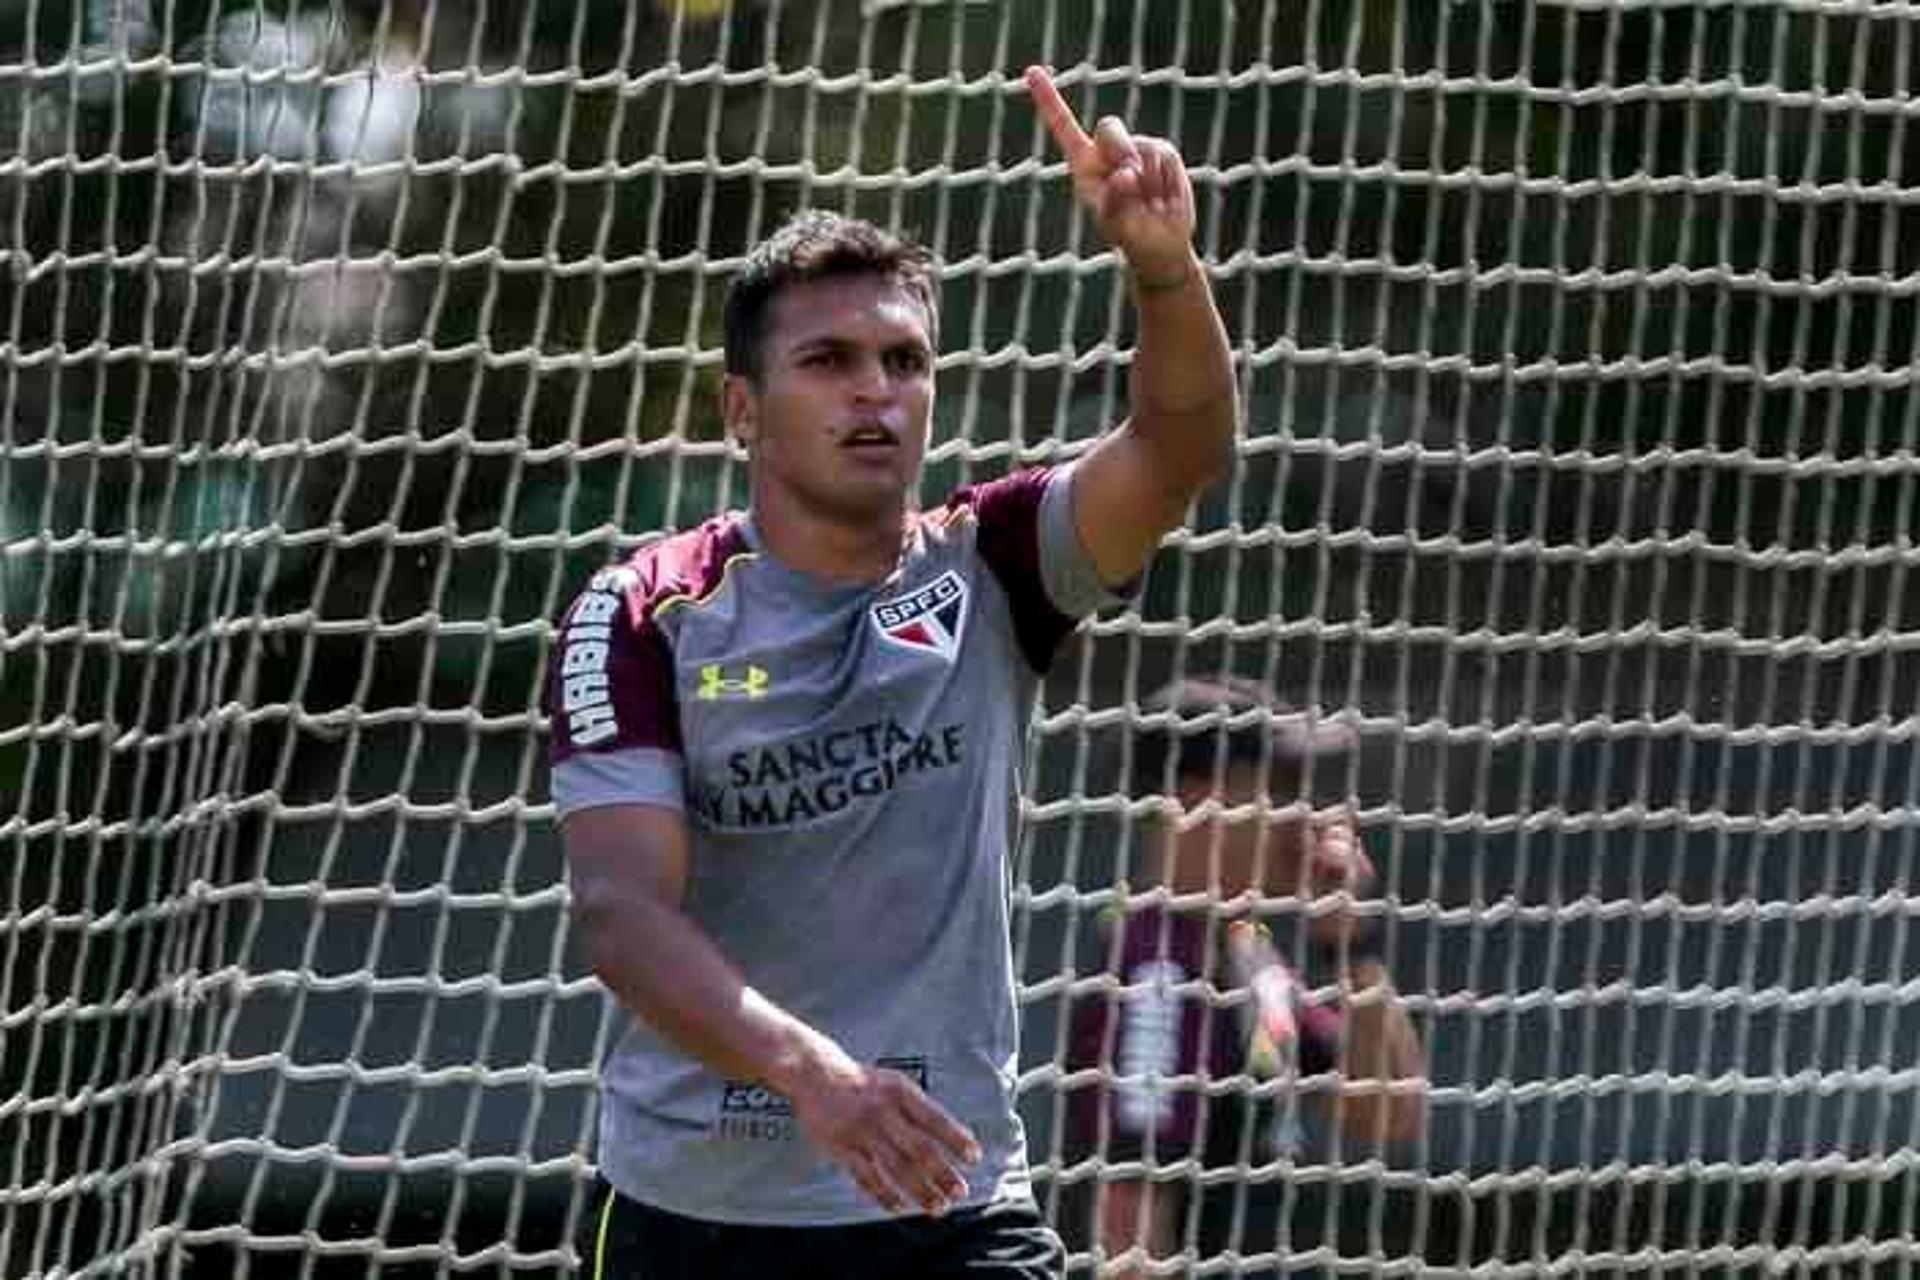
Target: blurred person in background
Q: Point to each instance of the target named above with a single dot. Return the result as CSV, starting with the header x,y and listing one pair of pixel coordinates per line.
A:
x,y
1241,773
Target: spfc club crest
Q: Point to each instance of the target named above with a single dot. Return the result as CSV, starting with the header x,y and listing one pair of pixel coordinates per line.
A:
x,y
928,620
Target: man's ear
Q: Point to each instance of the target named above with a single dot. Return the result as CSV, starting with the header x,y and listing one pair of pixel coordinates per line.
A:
x,y
740,409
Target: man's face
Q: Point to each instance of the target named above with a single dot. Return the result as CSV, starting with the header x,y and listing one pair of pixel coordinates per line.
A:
x,y
837,421
1263,850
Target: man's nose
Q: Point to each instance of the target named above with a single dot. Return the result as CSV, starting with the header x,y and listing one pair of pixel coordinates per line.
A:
x,y
870,381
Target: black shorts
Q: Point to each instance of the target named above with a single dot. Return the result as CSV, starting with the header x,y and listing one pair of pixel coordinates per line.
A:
x,y
627,1240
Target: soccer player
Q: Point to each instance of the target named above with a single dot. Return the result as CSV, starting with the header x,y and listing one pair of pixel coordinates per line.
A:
x,y
785,756
1229,742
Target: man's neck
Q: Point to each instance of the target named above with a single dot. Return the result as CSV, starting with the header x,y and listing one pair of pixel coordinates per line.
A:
x,y
836,550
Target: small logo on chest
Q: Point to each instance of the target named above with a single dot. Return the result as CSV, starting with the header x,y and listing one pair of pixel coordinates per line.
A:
x,y
929,619
715,683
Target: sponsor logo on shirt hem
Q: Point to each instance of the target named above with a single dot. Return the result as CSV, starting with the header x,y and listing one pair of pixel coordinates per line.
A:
x,y
751,1112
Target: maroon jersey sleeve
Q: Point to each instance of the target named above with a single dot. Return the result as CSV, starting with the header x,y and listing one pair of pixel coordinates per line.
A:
x,y
610,684
610,695
1027,537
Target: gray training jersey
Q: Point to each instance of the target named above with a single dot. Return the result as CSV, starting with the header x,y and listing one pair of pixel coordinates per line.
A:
x,y
848,759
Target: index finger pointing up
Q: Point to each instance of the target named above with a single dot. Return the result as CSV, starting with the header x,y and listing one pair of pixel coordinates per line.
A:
x,y
1058,116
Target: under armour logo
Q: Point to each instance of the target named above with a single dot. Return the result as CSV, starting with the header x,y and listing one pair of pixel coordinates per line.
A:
x,y
715,683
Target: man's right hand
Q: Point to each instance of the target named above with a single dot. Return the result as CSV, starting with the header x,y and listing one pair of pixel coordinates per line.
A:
x,y
900,1145
628,868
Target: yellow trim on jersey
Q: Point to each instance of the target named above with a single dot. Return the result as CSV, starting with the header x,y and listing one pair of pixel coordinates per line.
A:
x,y
688,598
600,1236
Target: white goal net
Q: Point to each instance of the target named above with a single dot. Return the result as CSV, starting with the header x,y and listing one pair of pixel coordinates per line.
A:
x,y
344,338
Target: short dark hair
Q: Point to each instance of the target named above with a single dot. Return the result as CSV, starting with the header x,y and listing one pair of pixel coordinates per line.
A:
x,y
1199,727
817,245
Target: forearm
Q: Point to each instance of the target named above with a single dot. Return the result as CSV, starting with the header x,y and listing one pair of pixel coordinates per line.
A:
x,y
1182,390
1380,1057
663,968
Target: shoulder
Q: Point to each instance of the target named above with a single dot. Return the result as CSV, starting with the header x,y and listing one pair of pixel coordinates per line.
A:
x,y
1013,496
1001,522
681,568
611,677
1021,527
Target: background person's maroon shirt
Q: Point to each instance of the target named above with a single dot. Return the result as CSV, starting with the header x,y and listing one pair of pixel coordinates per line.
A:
x,y
1173,1034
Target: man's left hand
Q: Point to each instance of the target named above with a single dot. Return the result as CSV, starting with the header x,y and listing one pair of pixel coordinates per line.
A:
x,y
1136,188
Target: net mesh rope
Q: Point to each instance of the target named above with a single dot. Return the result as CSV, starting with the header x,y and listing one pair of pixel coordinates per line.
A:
x,y
343,341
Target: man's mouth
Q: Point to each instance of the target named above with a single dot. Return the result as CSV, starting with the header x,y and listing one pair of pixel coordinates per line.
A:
x,y
870,438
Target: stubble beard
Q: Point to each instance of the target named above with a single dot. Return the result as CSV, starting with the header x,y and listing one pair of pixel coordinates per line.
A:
x,y
854,505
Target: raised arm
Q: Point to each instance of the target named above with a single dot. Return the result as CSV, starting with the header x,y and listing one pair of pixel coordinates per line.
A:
x,y
1137,481
628,868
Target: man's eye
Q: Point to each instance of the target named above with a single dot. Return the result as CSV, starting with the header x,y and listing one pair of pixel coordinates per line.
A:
x,y
910,361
